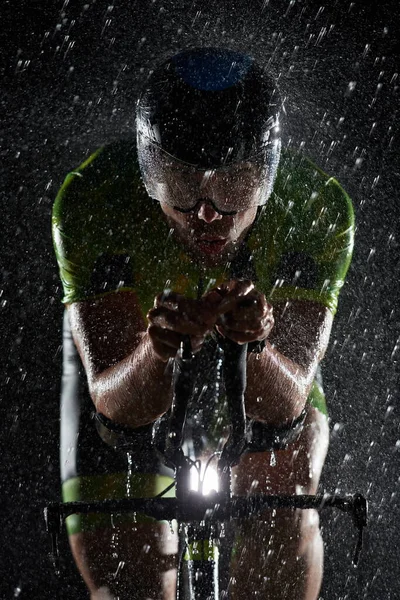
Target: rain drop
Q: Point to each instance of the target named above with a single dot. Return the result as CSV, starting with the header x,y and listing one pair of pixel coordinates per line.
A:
x,y
389,411
121,565
351,87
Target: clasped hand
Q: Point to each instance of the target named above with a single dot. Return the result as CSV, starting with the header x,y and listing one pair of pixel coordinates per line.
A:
x,y
235,309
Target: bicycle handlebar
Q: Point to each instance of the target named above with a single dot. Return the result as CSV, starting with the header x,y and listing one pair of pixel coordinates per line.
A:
x,y
214,508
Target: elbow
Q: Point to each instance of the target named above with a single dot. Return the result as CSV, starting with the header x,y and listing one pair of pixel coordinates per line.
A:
x,y
107,399
101,398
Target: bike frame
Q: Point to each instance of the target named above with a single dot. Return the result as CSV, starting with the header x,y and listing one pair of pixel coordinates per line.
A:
x,y
200,517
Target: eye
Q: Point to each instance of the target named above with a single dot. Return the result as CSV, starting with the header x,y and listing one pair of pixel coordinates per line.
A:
x,y
179,169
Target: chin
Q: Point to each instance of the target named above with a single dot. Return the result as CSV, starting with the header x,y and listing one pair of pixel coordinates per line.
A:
x,y
213,260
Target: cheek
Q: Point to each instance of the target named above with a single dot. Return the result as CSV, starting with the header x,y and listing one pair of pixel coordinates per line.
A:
x,y
240,225
244,220
185,223
175,218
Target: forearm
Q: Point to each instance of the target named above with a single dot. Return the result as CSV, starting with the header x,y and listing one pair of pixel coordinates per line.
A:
x,y
136,390
277,388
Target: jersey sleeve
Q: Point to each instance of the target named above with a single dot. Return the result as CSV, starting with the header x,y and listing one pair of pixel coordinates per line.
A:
x,y
90,220
307,237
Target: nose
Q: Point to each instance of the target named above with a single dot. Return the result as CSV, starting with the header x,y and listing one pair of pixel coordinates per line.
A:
x,y
208,213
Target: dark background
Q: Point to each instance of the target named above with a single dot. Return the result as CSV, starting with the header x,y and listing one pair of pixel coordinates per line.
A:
x,y
70,72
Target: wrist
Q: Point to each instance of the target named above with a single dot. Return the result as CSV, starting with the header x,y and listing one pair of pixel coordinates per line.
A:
x,y
256,347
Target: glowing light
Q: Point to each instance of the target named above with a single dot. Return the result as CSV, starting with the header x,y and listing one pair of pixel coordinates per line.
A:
x,y
208,479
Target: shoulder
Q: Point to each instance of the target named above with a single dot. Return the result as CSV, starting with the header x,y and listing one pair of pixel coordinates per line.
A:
x,y
100,224
109,165
303,241
305,190
307,206
100,189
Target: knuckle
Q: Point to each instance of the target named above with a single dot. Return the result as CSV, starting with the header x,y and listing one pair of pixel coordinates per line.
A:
x,y
156,312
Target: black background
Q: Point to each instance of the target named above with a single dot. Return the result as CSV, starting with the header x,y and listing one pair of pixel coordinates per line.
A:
x,y
70,72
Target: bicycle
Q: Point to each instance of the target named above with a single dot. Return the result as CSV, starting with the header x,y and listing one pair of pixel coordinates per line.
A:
x,y
201,518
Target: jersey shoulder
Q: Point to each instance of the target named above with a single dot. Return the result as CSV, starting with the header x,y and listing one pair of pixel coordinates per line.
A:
x,y
304,238
110,167
302,188
95,215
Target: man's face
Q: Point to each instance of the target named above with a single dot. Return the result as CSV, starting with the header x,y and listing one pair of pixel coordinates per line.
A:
x,y
211,210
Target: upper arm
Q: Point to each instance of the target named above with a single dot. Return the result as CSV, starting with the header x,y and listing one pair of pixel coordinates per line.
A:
x,y
301,333
308,258
106,329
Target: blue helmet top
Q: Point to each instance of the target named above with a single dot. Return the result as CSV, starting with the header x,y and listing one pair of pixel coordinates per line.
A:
x,y
210,69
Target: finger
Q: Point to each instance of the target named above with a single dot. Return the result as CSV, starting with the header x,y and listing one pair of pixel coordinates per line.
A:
x,y
166,343
242,286
235,284
174,321
242,337
246,323
168,299
207,308
211,299
176,302
250,306
260,328
230,300
255,299
195,311
251,311
223,289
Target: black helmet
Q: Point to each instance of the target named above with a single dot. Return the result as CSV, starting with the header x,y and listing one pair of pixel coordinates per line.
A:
x,y
209,108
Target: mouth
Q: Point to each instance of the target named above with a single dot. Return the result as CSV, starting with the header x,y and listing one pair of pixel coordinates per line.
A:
x,y
211,245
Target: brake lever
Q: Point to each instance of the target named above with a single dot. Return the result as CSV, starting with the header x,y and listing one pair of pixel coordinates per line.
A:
x,y
360,519
53,520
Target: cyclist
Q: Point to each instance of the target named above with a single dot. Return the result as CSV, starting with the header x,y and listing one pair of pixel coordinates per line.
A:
x,y
199,226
